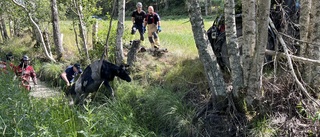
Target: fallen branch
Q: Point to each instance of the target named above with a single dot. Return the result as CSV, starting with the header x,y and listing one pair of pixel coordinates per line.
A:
x,y
285,48
296,58
298,39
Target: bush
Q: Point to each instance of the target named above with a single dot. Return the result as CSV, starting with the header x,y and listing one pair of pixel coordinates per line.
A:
x,y
50,72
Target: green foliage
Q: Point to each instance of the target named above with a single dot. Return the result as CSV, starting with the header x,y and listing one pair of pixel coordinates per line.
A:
x,y
21,115
51,72
186,74
166,109
262,127
99,47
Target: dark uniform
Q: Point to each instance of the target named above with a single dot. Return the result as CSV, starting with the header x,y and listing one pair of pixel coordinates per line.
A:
x,y
138,22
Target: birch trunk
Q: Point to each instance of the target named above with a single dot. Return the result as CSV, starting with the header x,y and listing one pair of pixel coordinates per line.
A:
x,y
304,22
249,36
120,30
207,57
56,29
4,31
255,77
37,28
314,51
11,28
233,47
82,29
94,33
76,36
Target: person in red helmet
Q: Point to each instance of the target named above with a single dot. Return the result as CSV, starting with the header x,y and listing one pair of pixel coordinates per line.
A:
x,y
25,71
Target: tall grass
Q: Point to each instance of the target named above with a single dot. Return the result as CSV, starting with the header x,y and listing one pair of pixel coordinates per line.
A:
x,y
154,104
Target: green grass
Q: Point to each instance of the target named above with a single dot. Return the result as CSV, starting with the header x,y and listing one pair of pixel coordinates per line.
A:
x,y
155,103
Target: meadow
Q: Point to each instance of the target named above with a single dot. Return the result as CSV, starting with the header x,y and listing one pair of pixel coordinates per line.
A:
x,y
161,100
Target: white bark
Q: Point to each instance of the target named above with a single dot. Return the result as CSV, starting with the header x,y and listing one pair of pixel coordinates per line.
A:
x,y
233,47
249,36
94,33
39,31
255,76
314,51
56,29
120,30
82,28
214,75
304,22
286,51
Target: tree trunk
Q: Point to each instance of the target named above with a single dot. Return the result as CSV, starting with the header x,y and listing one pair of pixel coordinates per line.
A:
x,y
37,29
11,28
132,57
255,77
46,39
207,57
56,29
166,5
233,47
1,31
82,29
120,30
249,36
94,33
4,31
304,22
206,7
16,27
76,36
315,48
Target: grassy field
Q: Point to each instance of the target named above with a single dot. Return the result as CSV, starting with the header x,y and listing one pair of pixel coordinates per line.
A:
x,y
161,100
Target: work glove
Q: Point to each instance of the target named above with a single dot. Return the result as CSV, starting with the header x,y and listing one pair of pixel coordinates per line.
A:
x,y
133,29
159,29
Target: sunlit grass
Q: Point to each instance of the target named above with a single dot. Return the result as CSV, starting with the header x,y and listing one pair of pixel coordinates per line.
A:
x,y
151,105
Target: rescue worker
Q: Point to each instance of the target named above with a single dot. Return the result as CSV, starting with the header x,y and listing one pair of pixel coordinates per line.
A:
x,y
138,17
154,27
25,71
71,72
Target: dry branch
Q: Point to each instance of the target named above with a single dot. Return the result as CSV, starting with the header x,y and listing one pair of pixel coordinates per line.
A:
x,y
285,48
296,58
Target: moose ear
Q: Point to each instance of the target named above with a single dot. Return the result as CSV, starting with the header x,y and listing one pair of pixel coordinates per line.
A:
x,y
122,67
126,66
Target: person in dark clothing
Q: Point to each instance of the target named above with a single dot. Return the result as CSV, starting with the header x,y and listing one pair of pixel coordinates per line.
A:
x,y
138,16
71,72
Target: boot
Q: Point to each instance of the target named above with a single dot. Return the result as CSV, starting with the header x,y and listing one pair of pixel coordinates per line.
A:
x,y
157,42
152,45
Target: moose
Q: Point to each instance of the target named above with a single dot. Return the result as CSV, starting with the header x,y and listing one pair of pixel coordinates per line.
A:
x,y
92,78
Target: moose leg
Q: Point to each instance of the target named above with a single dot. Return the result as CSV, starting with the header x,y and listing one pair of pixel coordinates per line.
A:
x,y
109,88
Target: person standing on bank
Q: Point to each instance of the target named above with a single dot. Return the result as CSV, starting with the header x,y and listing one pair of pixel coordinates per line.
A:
x,y
153,21
138,16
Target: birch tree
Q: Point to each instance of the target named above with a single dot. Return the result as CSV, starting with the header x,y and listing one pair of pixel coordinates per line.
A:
x,y
249,77
82,27
313,50
233,47
249,36
120,30
206,55
37,29
305,26
56,29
